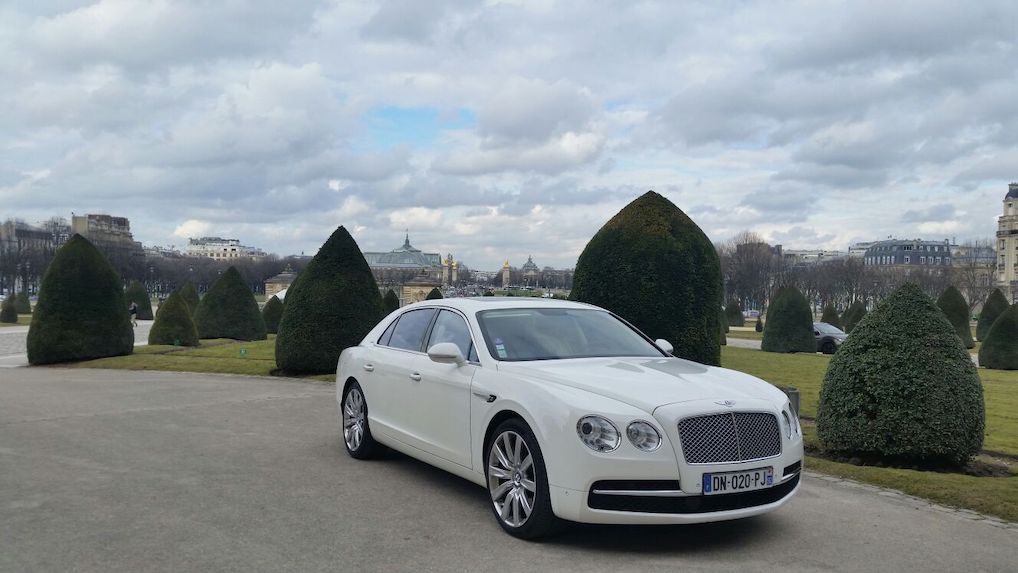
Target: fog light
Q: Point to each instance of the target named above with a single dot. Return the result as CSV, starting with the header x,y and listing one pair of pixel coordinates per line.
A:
x,y
644,436
598,433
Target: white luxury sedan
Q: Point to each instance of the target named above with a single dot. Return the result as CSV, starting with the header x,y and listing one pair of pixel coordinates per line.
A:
x,y
564,411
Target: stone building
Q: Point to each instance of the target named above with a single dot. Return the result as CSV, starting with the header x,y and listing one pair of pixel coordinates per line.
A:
x,y
221,249
1007,244
909,253
531,273
410,272
282,281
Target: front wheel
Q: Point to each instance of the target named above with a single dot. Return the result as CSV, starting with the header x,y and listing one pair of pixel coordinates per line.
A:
x,y
829,347
356,432
518,482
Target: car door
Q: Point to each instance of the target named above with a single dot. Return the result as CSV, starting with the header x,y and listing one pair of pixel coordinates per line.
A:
x,y
393,360
441,397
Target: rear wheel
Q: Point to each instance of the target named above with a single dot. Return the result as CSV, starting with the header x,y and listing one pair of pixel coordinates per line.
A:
x,y
518,482
829,347
356,432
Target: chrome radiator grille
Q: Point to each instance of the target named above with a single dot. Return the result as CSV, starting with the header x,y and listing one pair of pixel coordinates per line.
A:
x,y
730,437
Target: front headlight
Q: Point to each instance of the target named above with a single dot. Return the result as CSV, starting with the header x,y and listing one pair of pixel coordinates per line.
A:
x,y
644,436
786,424
598,433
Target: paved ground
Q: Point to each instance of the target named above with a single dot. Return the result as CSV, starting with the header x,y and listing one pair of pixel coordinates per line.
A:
x,y
128,471
744,343
12,343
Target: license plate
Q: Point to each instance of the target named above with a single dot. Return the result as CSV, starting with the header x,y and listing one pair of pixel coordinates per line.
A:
x,y
733,482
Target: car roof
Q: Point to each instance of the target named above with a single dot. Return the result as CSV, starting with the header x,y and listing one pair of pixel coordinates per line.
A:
x,y
476,303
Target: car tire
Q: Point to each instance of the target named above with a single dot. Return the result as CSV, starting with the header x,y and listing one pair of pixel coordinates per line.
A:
x,y
356,430
829,347
508,472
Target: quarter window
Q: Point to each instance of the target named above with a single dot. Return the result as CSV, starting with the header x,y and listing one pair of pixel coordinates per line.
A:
x,y
410,329
450,327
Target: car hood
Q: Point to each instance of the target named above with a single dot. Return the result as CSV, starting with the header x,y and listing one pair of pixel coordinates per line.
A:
x,y
647,383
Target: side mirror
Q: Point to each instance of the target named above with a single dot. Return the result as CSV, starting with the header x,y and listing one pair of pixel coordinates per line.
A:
x,y
664,345
446,353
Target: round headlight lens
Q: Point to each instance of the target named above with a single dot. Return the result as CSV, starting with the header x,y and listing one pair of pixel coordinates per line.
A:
x,y
598,433
644,436
787,424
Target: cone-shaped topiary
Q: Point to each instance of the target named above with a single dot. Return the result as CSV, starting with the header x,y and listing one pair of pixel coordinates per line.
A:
x,y
190,296
853,314
174,324
271,313
830,316
733,313
653,266
999,350
434,294
229,310
331,306
723,323
390,302
82,312
903,387
136,293
759,324
789,323
957,310
995,304
22,304
8,314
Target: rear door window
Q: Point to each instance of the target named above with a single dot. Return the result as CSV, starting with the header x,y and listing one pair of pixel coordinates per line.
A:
x,y
411,328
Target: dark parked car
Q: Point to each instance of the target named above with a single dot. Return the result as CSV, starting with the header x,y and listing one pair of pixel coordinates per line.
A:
x,y
829,338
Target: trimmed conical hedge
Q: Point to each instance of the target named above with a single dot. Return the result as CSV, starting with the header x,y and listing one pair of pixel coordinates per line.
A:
x,y
82,312
653,266
995,304
957,310
853,314
903,387
390,302
271,313
999,350
435,294
759,324
789,323
136,293
8,314
190,296
723,323
22,304
733,314
331,306
229,310
174,324
830,316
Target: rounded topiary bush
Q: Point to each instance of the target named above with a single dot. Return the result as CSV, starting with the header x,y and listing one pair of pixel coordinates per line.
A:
x,y
653,266
174,324
995,305
137,294
390,302
789,323
830,316
759,324
190,296
902,387
957,311
733,314
8,314
434,294
999,350
22,304
82,312
229,310
271,313
853,314
331,306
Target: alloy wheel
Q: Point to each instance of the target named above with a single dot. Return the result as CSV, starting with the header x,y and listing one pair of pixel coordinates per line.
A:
x,y
511,478
353,419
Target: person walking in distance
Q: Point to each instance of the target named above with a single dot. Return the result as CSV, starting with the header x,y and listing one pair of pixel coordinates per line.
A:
x,y
133,309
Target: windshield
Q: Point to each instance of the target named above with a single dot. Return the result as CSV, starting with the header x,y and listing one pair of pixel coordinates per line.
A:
x,y
825,328
554,333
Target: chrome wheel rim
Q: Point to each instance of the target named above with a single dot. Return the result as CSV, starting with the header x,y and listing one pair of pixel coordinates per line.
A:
x,y
353,419
511,478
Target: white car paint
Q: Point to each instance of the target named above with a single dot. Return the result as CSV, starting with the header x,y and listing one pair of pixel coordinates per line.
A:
x,y
442,418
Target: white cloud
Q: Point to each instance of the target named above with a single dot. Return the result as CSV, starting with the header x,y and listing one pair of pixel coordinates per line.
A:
x,y
192,228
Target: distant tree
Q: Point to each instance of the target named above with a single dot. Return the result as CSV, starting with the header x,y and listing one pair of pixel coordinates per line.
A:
x,y
733,315
173,324
137,294
957,310
190,296
271,313
434,294
830,316
390,302
723,323
229,310
996,304
22,303
759,324
999,350
853,314
789,323
489,293
8,314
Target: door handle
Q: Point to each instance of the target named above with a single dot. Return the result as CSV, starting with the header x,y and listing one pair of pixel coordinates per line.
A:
x,y
416,376
369,367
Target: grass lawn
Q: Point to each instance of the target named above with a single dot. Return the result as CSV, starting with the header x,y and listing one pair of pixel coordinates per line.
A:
x,y
217,356
747,334
23,320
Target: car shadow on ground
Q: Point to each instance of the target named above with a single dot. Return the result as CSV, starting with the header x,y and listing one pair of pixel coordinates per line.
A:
x,y
643,539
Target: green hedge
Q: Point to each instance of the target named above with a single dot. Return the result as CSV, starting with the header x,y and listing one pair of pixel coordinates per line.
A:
x,y
8,314
137,294
733,314
390,302
190,296
830,316
435,294
173,323
82,312
995,304
229,310
853,315
903,387
1000,349
271,313
331,306
789,323
22,304
653,266
957,311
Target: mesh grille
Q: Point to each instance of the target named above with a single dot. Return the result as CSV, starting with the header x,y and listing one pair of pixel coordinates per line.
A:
x,y
730,437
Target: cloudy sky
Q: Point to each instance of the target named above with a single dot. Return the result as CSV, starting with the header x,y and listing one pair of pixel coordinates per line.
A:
x,y
495,129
